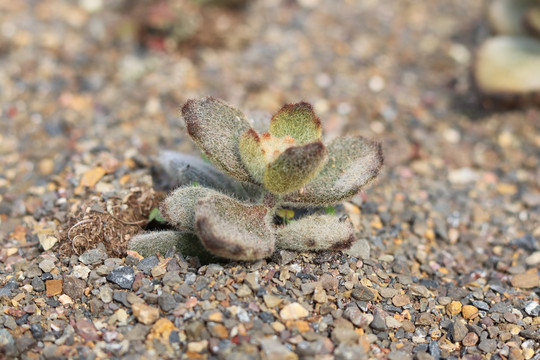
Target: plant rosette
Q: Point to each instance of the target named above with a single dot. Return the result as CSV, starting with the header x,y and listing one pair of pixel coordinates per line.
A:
x,y
230,213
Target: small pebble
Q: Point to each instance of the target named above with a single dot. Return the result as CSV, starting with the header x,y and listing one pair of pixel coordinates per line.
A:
x,y
458,330
532,308
362,293
93,256
144,313
81,271
469,312
123,276
54,287
533,259
74,287
346,336
526,280
243,291
252,279
401,300
272,301
444,300
106,294
470,339
488,345
47,265
197,346
453,308
293,311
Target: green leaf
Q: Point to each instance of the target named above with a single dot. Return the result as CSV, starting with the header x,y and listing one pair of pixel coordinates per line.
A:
x,y
159,242
286,214
294,168
314,233
330,210
216,128
233,230
297,121
156,215
179,207
353,163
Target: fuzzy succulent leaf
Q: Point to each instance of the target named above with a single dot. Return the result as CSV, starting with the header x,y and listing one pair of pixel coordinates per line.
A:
x,y
294,168
233,230
216,128
353,163
176,169
179,207
159,242
252,154
315,233
297,121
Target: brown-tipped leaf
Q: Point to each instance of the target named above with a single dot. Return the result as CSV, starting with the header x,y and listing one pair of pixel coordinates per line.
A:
x,y
233,230
216,128
294,168
314,233
252,154
353,163
297,121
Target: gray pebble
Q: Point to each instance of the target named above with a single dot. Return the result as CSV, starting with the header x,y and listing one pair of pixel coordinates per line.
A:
x,y
9,287
37,284
458,331
399,355
435,350
213,269
306,348
532,308
344,352
166,302
73,287
147,264
488,345
123,276
362,293
7,343
190,278
482,305
500,307
33,271
378,322
121,297
47,265
94,256
360,249
171,279
346,336
106,294
10,323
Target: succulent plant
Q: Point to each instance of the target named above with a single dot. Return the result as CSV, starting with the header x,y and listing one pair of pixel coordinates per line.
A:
x,y
231,213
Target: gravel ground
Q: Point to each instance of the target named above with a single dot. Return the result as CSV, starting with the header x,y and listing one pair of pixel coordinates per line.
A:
x,y
447,261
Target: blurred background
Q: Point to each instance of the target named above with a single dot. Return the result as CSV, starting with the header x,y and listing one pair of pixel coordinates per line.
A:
x,y
85,78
